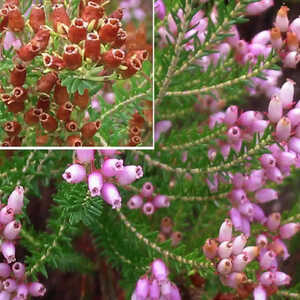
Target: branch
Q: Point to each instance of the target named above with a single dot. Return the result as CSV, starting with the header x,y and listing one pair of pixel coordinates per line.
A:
x,y
176,56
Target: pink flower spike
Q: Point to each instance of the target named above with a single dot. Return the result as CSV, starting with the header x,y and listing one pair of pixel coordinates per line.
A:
x,y
95,183
283,129
15,200
281,279
161,201
74,174
148,208
289,230
111,196
85,156
129,174
8,251
259,293
147,189
159,270
275,109
135,202
36,289
111,167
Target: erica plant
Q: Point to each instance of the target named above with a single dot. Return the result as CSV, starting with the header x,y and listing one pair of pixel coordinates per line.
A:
x,y
58,59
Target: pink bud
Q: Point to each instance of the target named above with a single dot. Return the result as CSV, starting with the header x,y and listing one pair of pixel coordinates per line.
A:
x,y
295,27
12,229
281,279
8,251
266,195
275,109
154,290
259,214
273,221
18,270
225,232
225,249
108,152
135,202
237,196
95,183
9,285
175,294
261,241
129,174
259,126
246,208
85,156
267,160
263,37
234,134
280,248
6,215
251,252
160,9
231,115
36,289
148,208
266,278
235,279
4,270
291,60
267,259
110,195
4,295
238,244
288,230
246,226
142,288
254,181
15,200
283,129
210,248
224,266
147,189
161,201
238,180
294,116
240,262
217,118
286,159
282,21
74,174
294,144
111,167
159,270
22,291
165,289
275,175
162,127
236,218
247,118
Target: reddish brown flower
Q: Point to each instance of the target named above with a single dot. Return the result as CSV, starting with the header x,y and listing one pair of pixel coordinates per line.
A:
x,y
61,94
53,62
32,116
135,140
71,126
28,52
48,122
117,14
43,102
72,57
92,47
82,101
90,129
15,106
59,16
74,141
37,17
120,39
12,128
16,21
4,18
19,94
92,12
64,111
77,31
109,30
41,39
113,58
18,75
46,83
133,65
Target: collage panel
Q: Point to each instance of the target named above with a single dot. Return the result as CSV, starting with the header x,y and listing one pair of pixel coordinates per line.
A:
x,y
76,74
212,212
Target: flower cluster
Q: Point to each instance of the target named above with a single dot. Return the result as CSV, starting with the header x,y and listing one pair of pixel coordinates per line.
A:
x,y
146,201
231,257
166,231
157,285
102,182
14,283
91,44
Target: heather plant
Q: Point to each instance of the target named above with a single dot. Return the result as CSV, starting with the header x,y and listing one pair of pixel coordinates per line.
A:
x,y
72,76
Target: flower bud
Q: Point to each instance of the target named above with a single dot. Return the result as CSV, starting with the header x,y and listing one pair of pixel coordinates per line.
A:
x,y
231,115
9,285
266,195
261,241
275,109
258,214
53,62
61,94
12,229
4,270
4,295
267,160
160,201
85,156
77,31
22,291
234,134
142,288
16,21
266,278
294,144
109,30
159,270
247,118
240,262
291,60
111,167
160,9
46,83
92,12
176,238
281,278
295,27
19,94
28,52
292,41
41,39
18,270
225,249
37,17
238,244
71,126
224,266
74,141
120,39
12,128
289,230
276,38
251,252
90,129
267,260
225,232
8,250
147,189
148,208
210,248
15,106
92,47
274,174
74,174
282,21
59,16
72,57
110,195
43,103
48,122
95,182
286,93
273,221
129,174
246,226
154,289
36,289
18,75
135,202
64,111
113,58
82,101
133,65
